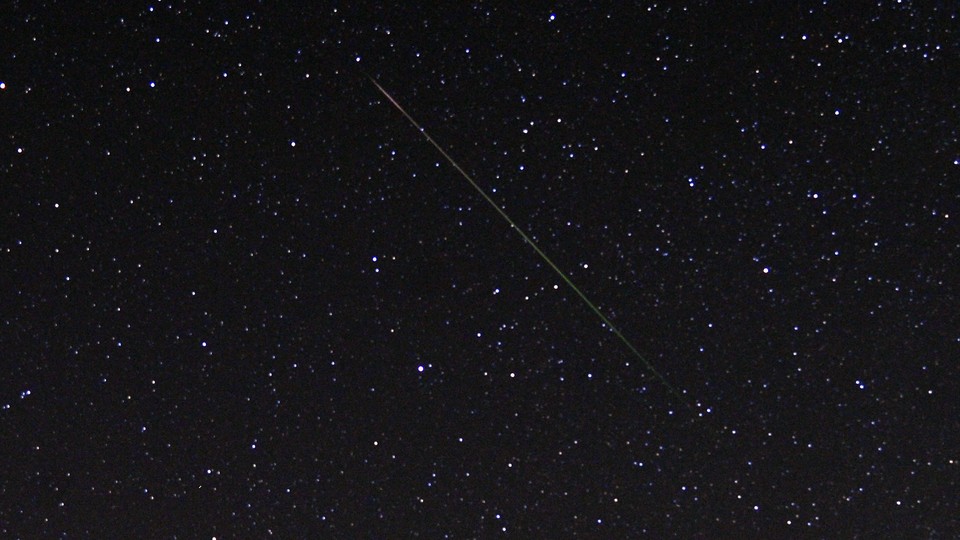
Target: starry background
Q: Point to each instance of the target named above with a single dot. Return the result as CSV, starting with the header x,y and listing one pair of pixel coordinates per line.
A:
x,y
240,296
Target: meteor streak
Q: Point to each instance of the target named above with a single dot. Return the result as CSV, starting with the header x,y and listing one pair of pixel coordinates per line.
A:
x,y
535,247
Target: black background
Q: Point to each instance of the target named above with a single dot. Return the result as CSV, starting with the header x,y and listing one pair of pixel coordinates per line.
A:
x,y
225,259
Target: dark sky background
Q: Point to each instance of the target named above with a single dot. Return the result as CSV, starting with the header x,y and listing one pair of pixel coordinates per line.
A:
x,y
241,296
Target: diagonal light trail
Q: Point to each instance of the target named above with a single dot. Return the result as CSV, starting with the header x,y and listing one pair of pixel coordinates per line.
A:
x,y
535,247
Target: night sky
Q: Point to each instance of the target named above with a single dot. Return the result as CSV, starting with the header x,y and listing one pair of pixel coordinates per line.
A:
x,y
242,297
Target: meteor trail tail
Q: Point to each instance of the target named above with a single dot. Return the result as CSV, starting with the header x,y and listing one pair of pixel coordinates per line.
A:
x,y
535,247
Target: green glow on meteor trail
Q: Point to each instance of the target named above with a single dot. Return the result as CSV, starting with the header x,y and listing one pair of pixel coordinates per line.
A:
x,y
535,247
